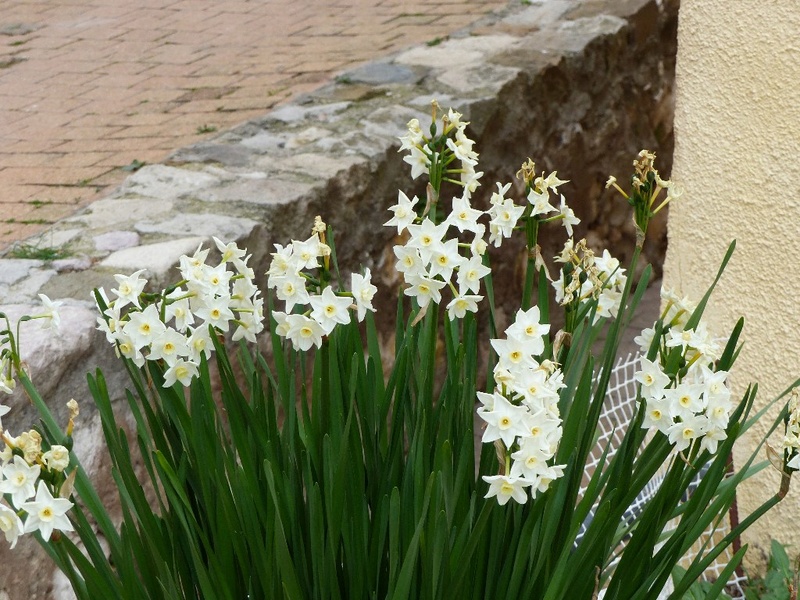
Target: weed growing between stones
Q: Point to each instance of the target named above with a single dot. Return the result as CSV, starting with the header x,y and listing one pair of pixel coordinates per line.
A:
x,y
341,465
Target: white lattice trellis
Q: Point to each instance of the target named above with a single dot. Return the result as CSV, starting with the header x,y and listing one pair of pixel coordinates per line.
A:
x,y
617,413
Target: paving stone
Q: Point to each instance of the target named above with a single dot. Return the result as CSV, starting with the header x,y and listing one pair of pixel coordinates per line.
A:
x,y
457,52
226,154
540,14
316,165
115,212
488,77
263,191
265,141
111,241
163,182
224,227
293,113
49,353
382,73
13,270
26,288
73,263
158,258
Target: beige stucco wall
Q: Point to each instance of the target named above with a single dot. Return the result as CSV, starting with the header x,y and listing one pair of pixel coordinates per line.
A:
x,y
737,154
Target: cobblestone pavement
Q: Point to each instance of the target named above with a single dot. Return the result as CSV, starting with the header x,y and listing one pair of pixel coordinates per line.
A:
x,y
89,89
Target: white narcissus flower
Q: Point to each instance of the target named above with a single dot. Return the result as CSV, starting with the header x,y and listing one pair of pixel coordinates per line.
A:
x,y
249,324
530,460
230,252
57,458
424,289
363,292
654,381
283,263
143,327
690,428
463,216
568,217
10,524
46,514
528,326
470,274
541,202
199,344
645,339
328,309
504,488
178,309
291,289
129,289
531,383
686,399
169,346
409,261
459,306
304,332
216,313
182,371
505,421
419,161
657,414
470,179
128,349
713,436
513,353
281,323
609,266
404,213
19,480
3,412
218,280
504,218
444,259
307,252
426,237
414,137
51,318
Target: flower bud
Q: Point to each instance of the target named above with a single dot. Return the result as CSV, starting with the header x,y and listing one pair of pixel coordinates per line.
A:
x,y
57,458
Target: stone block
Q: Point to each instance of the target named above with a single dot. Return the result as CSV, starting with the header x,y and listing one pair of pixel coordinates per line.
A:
x,y
157,259
457,52
382,73
115,212
111,241
207,225
261,191
166,183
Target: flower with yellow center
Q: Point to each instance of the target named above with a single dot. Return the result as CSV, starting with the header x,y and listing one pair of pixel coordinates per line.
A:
x,y
46,514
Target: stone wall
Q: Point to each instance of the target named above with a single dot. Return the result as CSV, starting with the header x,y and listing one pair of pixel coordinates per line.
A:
x,y
578,85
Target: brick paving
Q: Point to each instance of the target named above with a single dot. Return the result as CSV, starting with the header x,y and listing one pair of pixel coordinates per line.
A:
x,y
88,87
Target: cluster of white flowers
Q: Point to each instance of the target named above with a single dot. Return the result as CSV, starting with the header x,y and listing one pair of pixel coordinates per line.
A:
x,y
505,214
27,474
294,268
791,439
174,326
429,260
522,415
27,471
424,153
589,277
694,404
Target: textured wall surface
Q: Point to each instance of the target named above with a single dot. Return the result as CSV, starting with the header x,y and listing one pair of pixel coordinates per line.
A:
x,y
737,139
